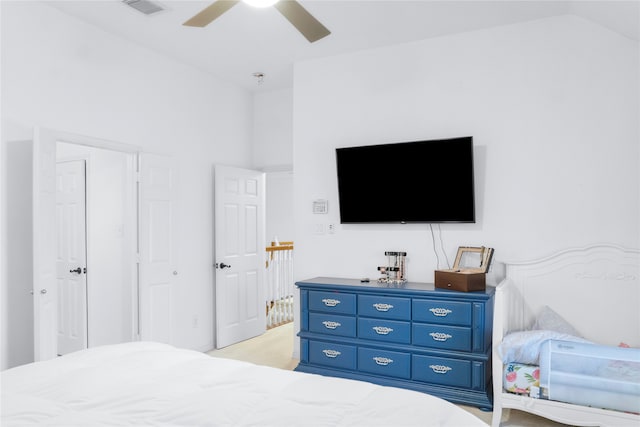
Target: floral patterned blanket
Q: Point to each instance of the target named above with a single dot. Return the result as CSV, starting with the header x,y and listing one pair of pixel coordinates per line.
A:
x,y
520,378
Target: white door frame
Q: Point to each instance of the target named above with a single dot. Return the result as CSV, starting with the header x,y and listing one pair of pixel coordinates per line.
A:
x,y
44,239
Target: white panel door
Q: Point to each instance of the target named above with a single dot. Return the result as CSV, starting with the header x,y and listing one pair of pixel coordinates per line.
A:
x,y
44,245
72,256
157,219
239,254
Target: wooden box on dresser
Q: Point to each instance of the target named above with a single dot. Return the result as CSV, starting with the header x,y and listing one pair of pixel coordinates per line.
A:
x,y
409,335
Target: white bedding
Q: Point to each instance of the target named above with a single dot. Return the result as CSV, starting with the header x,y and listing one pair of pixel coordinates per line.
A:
x,y
155,384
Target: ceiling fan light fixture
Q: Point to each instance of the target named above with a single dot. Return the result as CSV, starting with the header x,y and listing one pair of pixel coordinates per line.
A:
x,y
295,13
260,3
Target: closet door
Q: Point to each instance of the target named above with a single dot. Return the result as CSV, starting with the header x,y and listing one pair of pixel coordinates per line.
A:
x,y
72,256
157,274
45,289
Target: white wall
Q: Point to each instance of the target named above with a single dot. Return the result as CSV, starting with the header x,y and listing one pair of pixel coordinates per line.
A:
x,y
553,109
279,207
16,315
272,150
272,146
60,73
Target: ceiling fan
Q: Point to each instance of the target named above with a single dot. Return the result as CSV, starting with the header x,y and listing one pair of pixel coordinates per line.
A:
x,y
309,26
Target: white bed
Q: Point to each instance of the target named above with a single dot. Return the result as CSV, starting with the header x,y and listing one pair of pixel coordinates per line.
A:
x,y
596,290
156,384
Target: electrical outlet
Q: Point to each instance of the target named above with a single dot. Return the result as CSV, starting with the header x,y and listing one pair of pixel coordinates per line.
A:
x,y
331,228
194,322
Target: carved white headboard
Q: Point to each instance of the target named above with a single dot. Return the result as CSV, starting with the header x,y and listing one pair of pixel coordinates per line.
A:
x,y
595,288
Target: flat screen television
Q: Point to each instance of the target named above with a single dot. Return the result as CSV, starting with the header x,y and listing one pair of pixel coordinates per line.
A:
x,y
408,182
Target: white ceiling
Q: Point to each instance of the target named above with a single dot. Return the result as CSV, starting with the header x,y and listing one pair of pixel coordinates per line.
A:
x,y
245,40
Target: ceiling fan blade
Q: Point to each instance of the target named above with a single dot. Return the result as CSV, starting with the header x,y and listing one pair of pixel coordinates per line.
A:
x,y
211,12
309,26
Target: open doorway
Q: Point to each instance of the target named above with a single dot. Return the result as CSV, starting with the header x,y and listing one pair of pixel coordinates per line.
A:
x,y
147,233
97,304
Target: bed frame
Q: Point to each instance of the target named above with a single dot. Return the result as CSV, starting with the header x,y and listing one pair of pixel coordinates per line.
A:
x,y
597,290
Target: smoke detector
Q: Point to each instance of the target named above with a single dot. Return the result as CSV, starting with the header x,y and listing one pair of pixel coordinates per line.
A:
x,y
259,77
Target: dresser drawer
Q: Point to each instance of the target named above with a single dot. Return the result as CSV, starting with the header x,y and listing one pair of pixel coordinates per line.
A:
x,y
384,330
383,362
332,302
445,312
344,326
333,355
442,337
442,370
384,307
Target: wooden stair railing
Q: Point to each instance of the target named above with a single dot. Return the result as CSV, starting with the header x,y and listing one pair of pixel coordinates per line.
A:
x,y
279,282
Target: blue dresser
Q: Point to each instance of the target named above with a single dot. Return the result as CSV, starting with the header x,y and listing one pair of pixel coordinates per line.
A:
x,y
412,336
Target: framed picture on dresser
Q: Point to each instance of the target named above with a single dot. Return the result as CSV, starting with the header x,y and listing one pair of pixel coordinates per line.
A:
x,y
473,259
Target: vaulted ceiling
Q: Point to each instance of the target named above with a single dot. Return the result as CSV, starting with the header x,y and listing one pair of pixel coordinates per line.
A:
x,y
246,40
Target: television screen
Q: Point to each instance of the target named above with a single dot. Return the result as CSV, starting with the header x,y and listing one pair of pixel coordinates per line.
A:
x,y
421,181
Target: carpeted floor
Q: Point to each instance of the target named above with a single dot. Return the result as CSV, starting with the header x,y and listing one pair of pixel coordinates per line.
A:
x,y
275,347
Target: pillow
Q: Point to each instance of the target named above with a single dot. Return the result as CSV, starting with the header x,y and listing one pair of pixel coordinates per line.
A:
x,y
524,346
549,320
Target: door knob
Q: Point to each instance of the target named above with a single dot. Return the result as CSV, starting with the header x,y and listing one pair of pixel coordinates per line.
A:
x,y
43,291
77,270
222,265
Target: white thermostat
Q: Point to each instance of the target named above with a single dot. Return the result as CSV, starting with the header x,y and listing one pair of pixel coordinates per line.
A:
x,y
320,206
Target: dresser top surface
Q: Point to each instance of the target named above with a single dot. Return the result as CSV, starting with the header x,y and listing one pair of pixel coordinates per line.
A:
x,y
392,288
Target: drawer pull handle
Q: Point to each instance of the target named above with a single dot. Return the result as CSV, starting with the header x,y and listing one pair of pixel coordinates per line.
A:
x,y
331,353
330,302
331,325
382,361
382,330
440,312
440,369
440,336
382,307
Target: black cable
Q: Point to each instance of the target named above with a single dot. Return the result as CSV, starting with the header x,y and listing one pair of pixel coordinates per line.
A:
x,y
435,251
442,247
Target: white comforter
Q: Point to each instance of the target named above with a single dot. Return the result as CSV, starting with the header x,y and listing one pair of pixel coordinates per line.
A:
x,y
155,384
